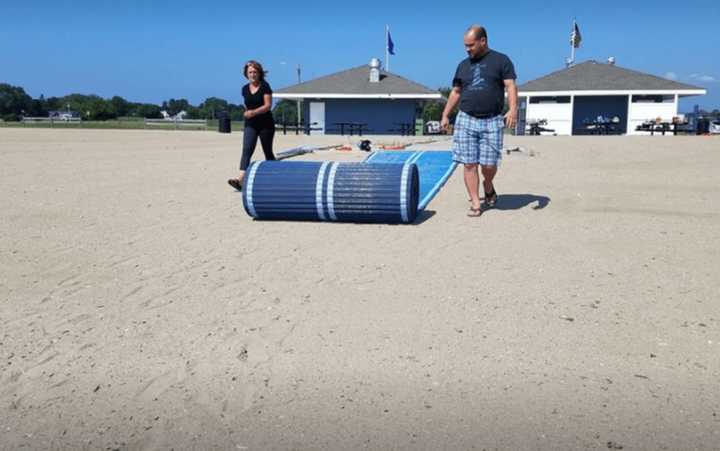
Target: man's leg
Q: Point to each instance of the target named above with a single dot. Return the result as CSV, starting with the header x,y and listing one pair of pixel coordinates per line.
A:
x,y
472,183
491,143
488,173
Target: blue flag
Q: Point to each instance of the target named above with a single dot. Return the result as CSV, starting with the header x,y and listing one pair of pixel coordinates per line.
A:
x,y
390,45
575,37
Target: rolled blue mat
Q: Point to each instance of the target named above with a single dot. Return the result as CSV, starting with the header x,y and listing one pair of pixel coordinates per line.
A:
x,y
331,191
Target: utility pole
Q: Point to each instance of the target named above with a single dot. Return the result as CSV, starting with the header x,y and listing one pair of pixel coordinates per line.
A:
x,y
575,39
387,49
298,100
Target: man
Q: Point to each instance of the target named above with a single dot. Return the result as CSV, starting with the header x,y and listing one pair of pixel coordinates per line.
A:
x,y
479,87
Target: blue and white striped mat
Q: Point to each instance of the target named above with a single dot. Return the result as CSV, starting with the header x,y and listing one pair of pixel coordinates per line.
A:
x,y
434,166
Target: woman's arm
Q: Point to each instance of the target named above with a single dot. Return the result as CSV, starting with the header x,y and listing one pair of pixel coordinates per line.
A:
x,y
267,105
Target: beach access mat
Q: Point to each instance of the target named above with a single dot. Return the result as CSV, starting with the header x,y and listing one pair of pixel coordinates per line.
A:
x,y
434,168
332,191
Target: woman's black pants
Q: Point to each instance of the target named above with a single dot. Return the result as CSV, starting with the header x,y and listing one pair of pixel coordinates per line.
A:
x,y
250,138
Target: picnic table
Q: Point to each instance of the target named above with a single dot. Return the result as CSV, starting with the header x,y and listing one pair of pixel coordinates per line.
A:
x,y
535,128
663,127
600,127
292,126
353,127
405,128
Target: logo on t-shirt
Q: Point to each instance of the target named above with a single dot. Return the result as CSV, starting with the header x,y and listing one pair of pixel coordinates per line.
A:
x,y
478,80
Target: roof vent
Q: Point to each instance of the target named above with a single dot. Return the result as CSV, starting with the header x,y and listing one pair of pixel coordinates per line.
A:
x,y
374,70
611,60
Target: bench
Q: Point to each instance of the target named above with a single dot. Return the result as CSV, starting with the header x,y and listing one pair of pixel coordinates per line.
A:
x,y
50,120
176,124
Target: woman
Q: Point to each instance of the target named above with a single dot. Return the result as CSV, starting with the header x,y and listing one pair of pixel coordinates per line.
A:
x,y
258,118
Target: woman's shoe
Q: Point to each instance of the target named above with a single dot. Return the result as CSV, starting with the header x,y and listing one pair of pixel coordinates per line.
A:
x,y
235,183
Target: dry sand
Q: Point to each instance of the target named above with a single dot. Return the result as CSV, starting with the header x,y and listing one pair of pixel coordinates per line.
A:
x,y
141,308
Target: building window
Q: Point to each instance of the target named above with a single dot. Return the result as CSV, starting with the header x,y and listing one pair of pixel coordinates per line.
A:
x,y
550,99
653,99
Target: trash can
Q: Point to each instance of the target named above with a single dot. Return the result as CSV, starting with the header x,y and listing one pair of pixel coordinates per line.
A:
x,y
224,123
419,126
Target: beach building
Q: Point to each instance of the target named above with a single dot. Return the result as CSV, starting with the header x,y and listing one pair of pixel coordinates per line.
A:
x,y
363,99
591,96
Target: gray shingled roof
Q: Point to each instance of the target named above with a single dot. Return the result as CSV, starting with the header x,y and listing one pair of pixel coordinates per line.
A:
x,y
356,81
594,76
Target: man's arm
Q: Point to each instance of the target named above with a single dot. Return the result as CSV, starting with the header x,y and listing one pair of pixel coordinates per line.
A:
x,y
511,115
452,102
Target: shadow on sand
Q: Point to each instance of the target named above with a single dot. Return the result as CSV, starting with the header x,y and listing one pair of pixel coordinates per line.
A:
x,y
422,216
518,201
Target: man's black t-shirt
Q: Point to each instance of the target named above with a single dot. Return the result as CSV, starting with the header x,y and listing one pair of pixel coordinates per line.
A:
x,y
481,83
256,100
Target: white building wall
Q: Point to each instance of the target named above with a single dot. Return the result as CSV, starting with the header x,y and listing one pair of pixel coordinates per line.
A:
x,y
558,115
642,112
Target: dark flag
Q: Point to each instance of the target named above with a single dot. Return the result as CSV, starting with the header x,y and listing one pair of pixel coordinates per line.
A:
x,y
390,45
575,37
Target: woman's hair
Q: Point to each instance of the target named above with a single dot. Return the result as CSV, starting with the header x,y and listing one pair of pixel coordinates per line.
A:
x,y
257,66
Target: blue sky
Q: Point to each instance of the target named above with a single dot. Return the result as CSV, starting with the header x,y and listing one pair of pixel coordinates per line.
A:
x,y
152,51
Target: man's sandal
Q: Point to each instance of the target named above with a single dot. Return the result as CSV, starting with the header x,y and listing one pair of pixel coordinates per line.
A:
x,y
474,212
491,198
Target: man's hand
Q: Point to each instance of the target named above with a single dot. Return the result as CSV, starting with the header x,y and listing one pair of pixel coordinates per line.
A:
x,y
452,102
248,114
512,97
444,123
510,119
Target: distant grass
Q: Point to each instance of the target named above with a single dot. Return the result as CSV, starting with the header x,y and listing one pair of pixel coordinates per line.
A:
x,y
123,124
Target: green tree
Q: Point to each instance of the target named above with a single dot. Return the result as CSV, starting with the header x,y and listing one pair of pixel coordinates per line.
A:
x,y
236,112
100,109
90,107
121,106
210,108
193,112
445,91
54,104
285,112
145,110
432,110
174,106
39,107
14,102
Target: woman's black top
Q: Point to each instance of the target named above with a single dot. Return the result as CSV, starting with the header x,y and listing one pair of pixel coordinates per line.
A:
x,y
256,100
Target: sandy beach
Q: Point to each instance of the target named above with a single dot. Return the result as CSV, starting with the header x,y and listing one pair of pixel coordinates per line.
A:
x,y
141,308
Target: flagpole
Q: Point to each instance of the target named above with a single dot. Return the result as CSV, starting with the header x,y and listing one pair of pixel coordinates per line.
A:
x,y
387,55
572,44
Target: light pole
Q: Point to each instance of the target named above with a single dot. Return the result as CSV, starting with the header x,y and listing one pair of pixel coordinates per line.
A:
x,y
297,115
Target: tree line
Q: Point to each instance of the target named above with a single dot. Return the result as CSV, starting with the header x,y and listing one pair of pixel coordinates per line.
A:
x,y
15,104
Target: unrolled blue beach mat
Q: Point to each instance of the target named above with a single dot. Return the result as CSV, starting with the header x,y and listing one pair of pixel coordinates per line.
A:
x,y
434,168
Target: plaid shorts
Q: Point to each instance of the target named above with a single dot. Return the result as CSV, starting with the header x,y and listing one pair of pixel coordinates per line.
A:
x,y
478,140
